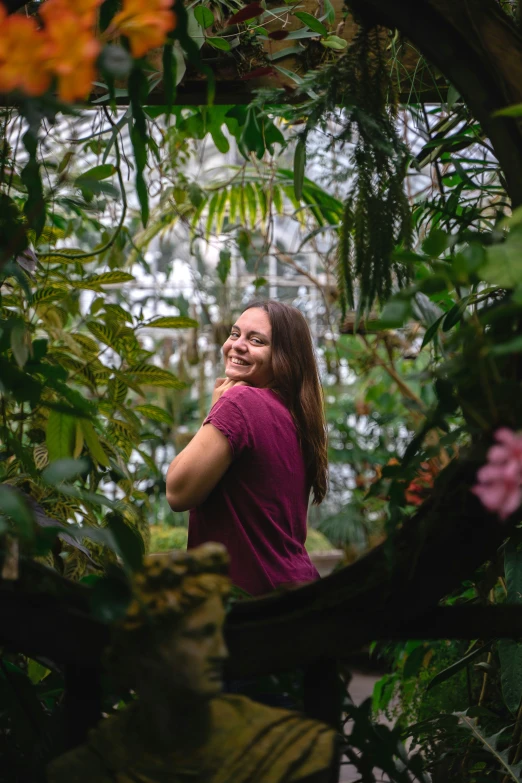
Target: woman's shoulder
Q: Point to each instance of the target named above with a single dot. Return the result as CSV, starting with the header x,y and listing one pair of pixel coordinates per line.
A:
x,y
248,395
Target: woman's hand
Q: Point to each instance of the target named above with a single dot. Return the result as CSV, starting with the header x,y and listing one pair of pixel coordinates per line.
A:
x,y
221,386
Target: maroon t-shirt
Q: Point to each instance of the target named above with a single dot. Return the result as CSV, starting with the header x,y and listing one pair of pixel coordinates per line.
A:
x,y
258,509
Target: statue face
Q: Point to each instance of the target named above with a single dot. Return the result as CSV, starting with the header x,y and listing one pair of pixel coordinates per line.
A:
x,y
196,652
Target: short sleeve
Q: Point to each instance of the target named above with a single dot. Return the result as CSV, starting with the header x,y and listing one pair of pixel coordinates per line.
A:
x,y
231,418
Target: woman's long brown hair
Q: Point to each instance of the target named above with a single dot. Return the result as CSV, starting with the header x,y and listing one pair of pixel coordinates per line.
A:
x,y
296,378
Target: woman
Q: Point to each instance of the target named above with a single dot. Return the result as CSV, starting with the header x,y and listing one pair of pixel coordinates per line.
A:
x,y
248,473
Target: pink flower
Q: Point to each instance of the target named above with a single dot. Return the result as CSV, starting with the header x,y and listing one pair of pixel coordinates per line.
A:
x,y
499,484
512,448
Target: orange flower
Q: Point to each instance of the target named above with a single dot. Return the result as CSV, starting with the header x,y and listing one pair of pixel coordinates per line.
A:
x,y
22,55
83,10
145,23
72,51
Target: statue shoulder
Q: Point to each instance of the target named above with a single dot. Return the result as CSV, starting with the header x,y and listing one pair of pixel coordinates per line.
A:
x,y
80,765
92,761
282,745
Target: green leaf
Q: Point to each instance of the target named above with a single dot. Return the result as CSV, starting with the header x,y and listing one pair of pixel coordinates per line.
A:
x,y
97,173
454,315
154,413
219,43
128,540
34,207
69,155
513,571
433,284
299,168
117,391
431,331
65,469
151,375
172,322
19,344
311,22
109,598
117,312
212,206
48,294
204,16
435,243
251,139
291,74
511,346
414,662
170,63
52,258
491,744
14,505
92,442
395,313
284,53
453,97
299,35
60,435
196,195
224,264
504,262
195,36
36,671
22,386
106,278
250,195
334,42
329,11
138,89
515,110
445,674
510,651
103,333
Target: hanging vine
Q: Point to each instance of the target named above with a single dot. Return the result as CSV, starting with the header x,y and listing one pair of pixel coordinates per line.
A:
x,y
357,93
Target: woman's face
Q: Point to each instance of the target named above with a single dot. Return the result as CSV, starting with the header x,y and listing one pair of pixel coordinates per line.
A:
x,y
248,350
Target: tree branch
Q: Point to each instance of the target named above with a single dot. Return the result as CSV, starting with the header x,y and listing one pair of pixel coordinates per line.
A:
x,y
390,593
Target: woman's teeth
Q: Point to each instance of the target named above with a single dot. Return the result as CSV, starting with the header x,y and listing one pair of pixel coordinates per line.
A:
x,y
240,362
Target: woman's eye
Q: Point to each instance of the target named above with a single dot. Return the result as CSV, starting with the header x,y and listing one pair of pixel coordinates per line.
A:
x,y
257,341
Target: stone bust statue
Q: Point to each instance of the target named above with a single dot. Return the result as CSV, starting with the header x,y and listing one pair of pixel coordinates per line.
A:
x,y
170,649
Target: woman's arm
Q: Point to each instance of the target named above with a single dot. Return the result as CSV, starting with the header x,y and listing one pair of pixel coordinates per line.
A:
x,y
196,470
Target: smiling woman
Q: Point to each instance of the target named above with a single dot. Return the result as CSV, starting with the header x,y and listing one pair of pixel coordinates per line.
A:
x,y
248,473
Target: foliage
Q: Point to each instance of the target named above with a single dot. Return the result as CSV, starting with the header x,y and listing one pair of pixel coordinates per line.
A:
x,y
67,375
317,542
359,84
164,538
